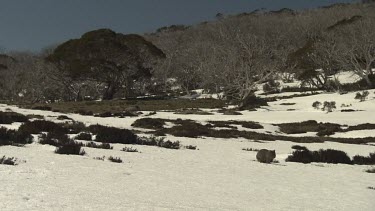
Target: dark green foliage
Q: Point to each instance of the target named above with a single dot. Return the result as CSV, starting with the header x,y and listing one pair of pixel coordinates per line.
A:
x,y
8,161
64,117
113,135
362,96
309,126
43,108
149,123
12,137
160,142
106,56
129,149
115,159
10,117
70,148
362,160
98,146
321,156
55,139
84,136
191,147
39,126
245,124
298,147
366,126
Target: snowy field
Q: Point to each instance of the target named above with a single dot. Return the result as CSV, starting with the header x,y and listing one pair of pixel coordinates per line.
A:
x,y
218,176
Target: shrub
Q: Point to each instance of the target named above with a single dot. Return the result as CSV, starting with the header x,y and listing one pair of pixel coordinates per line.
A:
x,y
113,135
55,139
321,156
84,136
298,147
104,114
364,160
74,127
370,170
38,126
70,148
8,161
10,117
129,149
43,108
115,159
99,158
361,96
271,87
191,147
316,104
98,146
160,142
64,117
329,106
84,112
12,137
250,149
149,123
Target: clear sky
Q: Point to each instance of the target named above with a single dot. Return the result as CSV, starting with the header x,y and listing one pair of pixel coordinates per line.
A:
x,y
34,24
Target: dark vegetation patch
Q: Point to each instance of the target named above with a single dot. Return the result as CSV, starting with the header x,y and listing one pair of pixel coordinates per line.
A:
x,y
348,110
115,159
99,158
160,142
84,136
372,171
322,129
225,111
364,160
11,117
321,156
13,137
34,116
113,135
39,126
129,149
42,107
298,147
117,106
64,117
149,123
191,147
245,124
8,161
287,104
98,146
194,111
366,126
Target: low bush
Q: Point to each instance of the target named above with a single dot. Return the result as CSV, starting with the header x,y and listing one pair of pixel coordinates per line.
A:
x,y
191,147
55,139
329,106
250,149
160,142
322,129
115,159
316,105
10,117
113,135
70,148
8,161
366,126
129,149
271,87
149,123
192,111
104,114
84,136
64,117
84,112
39,126
361,96
43,108
98,146
287,104
372,171
13,137
364,160
321,156
298,147
99,158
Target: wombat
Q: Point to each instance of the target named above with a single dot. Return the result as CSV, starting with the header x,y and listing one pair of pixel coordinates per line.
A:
x,y
266,156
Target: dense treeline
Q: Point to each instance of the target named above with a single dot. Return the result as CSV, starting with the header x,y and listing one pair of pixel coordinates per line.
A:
x,y
232,55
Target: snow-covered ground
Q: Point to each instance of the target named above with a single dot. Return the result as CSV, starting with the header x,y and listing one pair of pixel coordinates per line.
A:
x,y
218,176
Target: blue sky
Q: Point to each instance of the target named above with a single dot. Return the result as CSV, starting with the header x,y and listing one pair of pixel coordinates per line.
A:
x,y
34,24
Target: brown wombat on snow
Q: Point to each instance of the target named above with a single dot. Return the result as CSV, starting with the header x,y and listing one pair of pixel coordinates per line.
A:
x,y
266,156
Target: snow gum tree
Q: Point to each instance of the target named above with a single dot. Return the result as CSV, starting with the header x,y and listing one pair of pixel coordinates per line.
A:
x,y
113,59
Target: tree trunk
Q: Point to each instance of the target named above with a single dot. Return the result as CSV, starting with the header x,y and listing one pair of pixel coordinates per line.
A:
x,y
109,93
368,81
